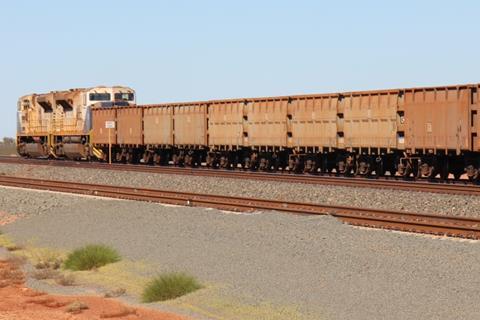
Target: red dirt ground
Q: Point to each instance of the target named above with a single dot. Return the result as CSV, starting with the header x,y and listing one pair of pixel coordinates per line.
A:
x,y
6,218
20,303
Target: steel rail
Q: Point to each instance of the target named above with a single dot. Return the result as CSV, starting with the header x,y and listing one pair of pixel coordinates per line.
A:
x,y
461,188
403,221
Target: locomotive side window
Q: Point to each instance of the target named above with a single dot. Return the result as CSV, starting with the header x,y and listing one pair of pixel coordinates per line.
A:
x,y
124,96
100,97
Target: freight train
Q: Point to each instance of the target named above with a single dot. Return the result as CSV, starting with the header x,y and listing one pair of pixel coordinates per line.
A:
x,y
428,132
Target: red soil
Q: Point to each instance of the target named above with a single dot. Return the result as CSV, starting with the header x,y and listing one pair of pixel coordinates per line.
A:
x,y
6,218
21,303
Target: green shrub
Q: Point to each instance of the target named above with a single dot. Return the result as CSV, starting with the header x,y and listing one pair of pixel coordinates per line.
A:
x,y
90,257
169,286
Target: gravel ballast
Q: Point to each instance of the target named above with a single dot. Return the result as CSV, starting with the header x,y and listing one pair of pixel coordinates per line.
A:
x,y
313,262
418,202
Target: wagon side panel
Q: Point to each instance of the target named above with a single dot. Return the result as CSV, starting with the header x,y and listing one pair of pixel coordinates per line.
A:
x,y
437,119
99,132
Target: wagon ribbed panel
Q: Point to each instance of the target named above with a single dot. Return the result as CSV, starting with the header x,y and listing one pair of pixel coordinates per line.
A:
x,y
225,124
313,122
158,125
190,125
267,123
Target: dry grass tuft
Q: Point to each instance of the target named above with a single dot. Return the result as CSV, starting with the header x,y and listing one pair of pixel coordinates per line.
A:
x,y
44,274
91,257
115,293
169,286
46,259
14,248
76,307
119,314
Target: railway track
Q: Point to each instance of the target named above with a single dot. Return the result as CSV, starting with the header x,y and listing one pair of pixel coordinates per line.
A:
x,y
402,221
450,187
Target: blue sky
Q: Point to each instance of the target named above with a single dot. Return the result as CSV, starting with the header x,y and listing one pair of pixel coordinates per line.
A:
x,y
189,50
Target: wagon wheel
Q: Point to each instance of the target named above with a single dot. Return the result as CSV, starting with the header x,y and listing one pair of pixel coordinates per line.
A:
x,y
129,157
310,166
157,159
224,163
264,164
291,165
363,168
246,163
341,167
147,157
472,173
426,170
405,170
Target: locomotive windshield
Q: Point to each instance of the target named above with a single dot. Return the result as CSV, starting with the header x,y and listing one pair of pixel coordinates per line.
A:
x,y
100,97
124,96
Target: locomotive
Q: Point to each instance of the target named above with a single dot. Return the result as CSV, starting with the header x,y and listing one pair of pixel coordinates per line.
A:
x,y
58,124
427,132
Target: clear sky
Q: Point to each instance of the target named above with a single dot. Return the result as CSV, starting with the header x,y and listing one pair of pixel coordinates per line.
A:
x,y
187,50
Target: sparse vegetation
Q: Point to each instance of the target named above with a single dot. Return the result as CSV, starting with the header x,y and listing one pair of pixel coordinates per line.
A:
x,y
65,280
169,286
90,257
